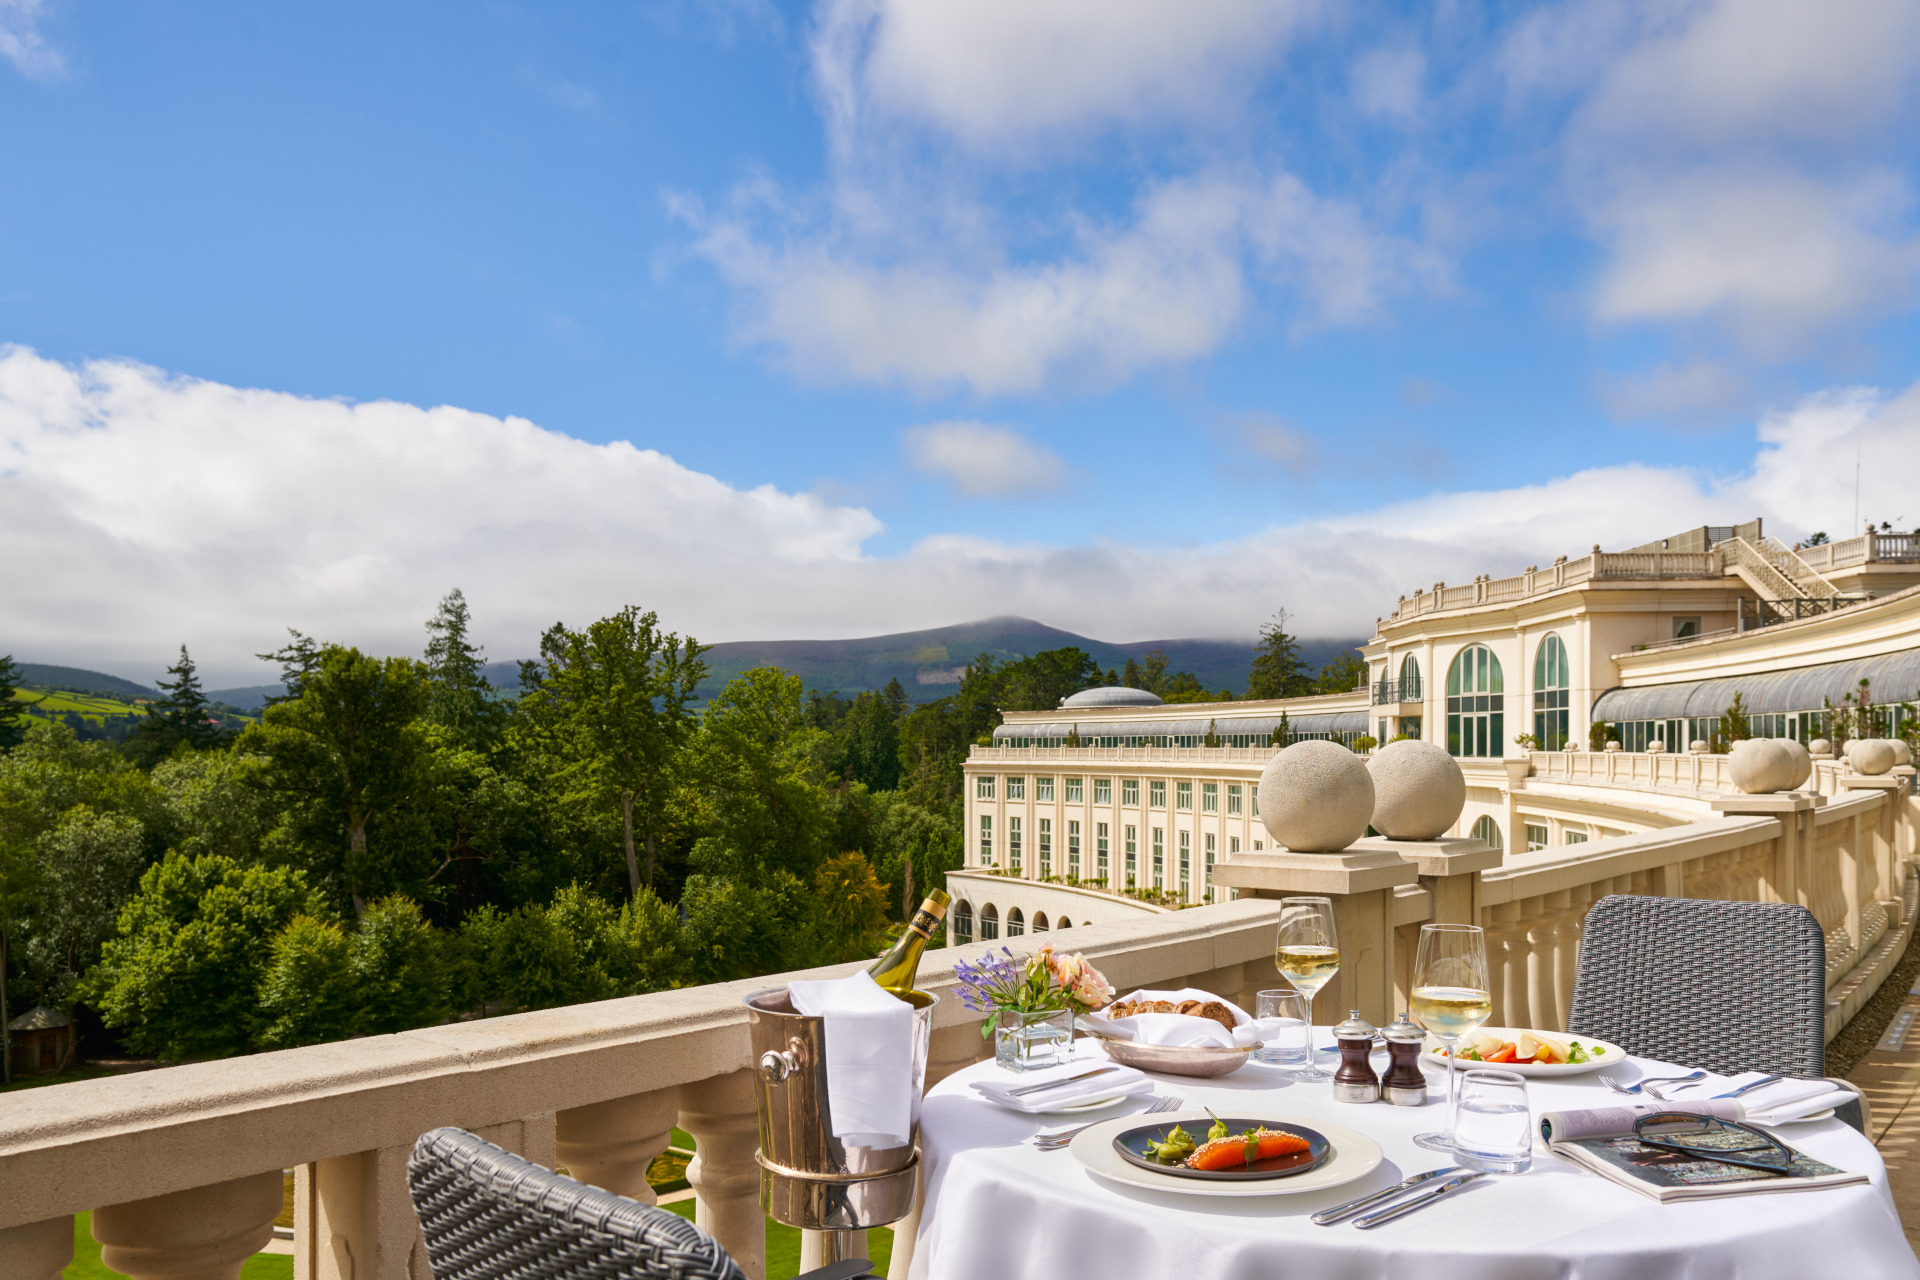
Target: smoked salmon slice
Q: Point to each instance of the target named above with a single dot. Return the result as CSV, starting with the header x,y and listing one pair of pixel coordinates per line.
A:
x,y
1234,1152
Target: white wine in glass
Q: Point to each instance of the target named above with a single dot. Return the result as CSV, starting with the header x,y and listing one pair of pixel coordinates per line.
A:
x,y
1307,954
1451,996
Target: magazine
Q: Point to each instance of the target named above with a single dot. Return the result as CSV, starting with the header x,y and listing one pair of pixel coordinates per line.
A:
x,y
1602,1140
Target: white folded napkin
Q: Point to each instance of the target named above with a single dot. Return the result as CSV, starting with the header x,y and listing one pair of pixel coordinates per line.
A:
x,y
869,1054
1255,1032
1175,1030
1124,1081
1778,1103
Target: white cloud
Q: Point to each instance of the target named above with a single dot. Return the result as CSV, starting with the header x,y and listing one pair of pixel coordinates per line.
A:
x,y
995,72
139,511
22,44
1166,288
1386,83
1699,390
984,461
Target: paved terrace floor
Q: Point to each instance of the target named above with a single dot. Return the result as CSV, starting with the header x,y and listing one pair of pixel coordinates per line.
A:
x,y
1890,1077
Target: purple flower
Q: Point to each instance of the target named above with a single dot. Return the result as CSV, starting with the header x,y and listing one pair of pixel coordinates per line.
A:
x,y
991,984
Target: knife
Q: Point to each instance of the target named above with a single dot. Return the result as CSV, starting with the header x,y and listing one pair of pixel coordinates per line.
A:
x,y
1340,1212
1054,1084
1414,1202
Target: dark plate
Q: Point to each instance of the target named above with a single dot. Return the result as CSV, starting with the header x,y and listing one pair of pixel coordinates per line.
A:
x,y
1132,1146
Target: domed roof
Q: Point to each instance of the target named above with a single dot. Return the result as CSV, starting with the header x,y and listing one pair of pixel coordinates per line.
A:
x,y
1112,695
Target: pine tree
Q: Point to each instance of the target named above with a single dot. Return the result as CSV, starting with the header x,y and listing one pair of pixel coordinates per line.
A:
x,y
896,697
13,710
1277,669
459,694
181,715
298,660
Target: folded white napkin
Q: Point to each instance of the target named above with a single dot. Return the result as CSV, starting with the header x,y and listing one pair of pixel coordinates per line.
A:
x,y
869,1054
1175,1030
1255,1032
1120,1080
1778,1103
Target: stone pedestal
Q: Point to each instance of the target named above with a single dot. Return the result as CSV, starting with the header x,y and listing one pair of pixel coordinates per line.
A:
x,y
1794,811
1360,881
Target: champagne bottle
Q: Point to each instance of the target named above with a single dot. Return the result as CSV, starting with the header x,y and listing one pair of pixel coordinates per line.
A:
x,y
896,970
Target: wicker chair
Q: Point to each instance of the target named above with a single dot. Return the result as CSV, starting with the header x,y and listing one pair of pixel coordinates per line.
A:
x,y
1729,986
487,1214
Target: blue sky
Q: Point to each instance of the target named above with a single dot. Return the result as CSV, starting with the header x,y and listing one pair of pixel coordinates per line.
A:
x,y
1140,319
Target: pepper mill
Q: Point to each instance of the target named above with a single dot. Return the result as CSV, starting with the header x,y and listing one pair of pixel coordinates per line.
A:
x,y
1405,1084
1355,1080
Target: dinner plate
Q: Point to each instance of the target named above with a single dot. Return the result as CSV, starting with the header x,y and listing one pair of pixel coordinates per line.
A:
x,y
1355,1155
1613,1057
1132,1144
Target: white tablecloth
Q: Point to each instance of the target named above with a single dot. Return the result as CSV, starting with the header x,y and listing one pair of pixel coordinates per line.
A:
x,y
999,1209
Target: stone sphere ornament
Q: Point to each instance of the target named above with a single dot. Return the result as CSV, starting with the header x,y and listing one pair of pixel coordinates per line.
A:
x,y
1418,790
1902,753
1761,766
1821,747
1802,763
1316,797
1871,756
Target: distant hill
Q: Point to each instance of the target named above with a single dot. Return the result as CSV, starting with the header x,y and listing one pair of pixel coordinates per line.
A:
x,y
250,698
41,675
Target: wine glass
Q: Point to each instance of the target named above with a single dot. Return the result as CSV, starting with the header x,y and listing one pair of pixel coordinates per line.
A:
x,y
1451,996
1307,955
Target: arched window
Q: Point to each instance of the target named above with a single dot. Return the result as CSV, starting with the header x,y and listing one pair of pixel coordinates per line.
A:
x,y
1410,690
1063,923
1039,922
989,923
1016,923
1551,694
962,922
1476,704
1485,828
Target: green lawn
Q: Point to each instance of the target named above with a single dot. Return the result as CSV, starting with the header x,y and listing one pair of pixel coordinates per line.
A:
x,y
85,705
783,1246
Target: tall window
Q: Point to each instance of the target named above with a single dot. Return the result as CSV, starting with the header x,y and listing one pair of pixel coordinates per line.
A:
x,y
1100,851
1016,788
986,839
1016,923
1103,790
989,923
1046,847
1186,863
963,922
1485,828
1074,794
1210,856
1410,690
1550,694
1157,794
1233,798
1073,849
1013,844
1133,856
1130,792
1476,704
983,787
1209,797
1042,790
1233,845
1183,795
1159,858
1536,836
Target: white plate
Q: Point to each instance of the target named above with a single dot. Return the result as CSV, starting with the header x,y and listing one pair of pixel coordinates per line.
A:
x,y
1614,1056
1355,1155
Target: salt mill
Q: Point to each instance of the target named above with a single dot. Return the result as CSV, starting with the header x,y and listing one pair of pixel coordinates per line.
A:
x,y
1355,1080
1405,1084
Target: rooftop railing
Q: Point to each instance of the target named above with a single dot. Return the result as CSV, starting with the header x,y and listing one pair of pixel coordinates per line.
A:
x,y
1557,576
1406,689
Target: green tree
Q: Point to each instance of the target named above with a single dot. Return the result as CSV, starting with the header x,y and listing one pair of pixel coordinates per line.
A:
x,y
851,917
90,864
460,698
299,658
19,892
614,702
755,766
1598,734
399,978
896,698
179,978
1278,671
345,757
1342,675
216,802
307,992
1734,725
182,717
13,708
1039,682
872,743
1213,734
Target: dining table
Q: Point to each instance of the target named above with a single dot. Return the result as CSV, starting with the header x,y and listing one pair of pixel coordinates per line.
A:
x,y
996,1207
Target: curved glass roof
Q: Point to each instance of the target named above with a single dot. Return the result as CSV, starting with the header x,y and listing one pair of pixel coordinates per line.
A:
x,y
1342,722
1112,695
1893,677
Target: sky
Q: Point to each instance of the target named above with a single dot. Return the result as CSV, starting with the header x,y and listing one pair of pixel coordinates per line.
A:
x,y
812,320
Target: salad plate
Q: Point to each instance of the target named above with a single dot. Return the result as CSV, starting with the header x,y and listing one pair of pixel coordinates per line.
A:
x,y
1354,1156
1136,1147
1598,1053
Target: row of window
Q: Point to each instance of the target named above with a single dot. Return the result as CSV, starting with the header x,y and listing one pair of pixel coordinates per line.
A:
x,y
1485,828
1680,734
1097,868
1073,791
1476,698
963,922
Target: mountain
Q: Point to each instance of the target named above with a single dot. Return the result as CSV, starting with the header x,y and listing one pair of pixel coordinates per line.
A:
x,y
41,675
248,698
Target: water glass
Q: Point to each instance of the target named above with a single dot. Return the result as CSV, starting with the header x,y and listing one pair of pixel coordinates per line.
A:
x,y
1493,1126
1285,1034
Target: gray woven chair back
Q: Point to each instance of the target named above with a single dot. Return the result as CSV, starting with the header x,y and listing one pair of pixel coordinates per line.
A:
x,y
1730,986
489,1215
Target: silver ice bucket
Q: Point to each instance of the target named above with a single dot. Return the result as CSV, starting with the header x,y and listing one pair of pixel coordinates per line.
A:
x,y
809,1178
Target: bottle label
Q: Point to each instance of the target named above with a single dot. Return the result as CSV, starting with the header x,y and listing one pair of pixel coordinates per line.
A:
x,y
924,922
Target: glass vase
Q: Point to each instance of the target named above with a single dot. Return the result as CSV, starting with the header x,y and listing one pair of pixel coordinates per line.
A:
x,y
1032,1041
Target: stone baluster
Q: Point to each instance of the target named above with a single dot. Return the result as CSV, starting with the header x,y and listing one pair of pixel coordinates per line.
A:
x,y
612,1144
722,1115
1566,955
1543,943
204,1233
1496,959
1515,1000
38,1250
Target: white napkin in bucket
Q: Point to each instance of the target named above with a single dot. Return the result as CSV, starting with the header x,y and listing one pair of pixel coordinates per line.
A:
x,y
1124,1081
869,1064
1176,1030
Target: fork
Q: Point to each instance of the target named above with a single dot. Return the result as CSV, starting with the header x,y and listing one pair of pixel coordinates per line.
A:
x,y
1638,1085
1061,1137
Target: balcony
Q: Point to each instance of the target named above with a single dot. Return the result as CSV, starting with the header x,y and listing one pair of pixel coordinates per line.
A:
x,y
1409,689
181,1168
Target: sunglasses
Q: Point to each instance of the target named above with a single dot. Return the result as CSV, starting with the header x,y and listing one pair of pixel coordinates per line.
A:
x,y
1711,1138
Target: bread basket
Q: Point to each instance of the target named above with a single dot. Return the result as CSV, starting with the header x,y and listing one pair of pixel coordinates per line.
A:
x,y
1191,1060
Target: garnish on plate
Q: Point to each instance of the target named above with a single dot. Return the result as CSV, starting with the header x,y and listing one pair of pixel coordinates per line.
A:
x,y
1172,1149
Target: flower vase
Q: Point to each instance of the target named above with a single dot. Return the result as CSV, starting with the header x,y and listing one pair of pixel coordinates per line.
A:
x,y
1033,1041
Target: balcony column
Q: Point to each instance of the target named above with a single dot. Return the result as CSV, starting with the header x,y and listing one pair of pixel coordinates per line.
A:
x,y
722,1115
612,1144
203,1233
38,1250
